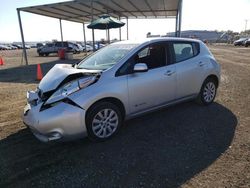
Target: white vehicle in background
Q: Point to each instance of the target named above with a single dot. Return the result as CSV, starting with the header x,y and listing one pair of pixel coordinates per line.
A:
x,y
4,47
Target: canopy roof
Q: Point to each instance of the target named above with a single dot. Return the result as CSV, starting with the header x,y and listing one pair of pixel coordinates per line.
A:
x,y
80,10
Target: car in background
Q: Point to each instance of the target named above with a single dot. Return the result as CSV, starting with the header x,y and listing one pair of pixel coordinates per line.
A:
x,y
88,47
247,43
240,42
54,47
27,46
4,47
81,48
39,45
18,46
118,82
12,47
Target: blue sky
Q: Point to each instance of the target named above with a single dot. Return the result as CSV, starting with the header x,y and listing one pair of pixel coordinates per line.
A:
x,y
197,14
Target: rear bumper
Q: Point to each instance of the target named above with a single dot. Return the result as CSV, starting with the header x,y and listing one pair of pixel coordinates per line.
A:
x,y
60,122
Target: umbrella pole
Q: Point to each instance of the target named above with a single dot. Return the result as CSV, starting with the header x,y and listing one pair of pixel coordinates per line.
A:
x,y
127,28
93,38
84,35
93,33
120,35
108,37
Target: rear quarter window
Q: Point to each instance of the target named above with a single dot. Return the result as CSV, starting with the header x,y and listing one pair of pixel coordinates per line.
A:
x,y
185,50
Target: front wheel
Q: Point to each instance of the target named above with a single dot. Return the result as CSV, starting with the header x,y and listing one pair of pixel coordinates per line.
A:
x,y
103,121
208,92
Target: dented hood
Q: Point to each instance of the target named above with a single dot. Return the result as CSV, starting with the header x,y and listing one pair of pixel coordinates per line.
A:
x,y
58,74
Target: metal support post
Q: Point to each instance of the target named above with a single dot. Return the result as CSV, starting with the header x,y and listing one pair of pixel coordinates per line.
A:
x,y
127,28
22,36
84,36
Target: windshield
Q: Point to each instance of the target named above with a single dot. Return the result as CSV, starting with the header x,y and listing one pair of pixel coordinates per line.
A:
x,y
106,57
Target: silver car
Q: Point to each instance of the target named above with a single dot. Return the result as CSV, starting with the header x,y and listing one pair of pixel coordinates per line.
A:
x,y
119,82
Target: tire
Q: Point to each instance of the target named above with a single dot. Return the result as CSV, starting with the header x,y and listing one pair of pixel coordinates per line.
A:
x,y
103,121
47,54
208,92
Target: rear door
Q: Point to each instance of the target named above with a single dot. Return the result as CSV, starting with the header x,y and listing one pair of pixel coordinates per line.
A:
x,y
189,67
48,48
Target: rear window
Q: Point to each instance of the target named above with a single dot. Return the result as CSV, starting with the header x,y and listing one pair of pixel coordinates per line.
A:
x,y
61,44
49,44
185,50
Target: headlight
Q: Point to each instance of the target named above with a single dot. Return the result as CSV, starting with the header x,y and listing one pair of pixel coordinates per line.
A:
x,y
70,88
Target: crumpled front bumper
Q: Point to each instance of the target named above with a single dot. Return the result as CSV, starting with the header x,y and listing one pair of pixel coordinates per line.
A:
x,y
62,121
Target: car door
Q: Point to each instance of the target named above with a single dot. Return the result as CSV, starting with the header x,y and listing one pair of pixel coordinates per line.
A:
x,y
48,48
190,68
156,86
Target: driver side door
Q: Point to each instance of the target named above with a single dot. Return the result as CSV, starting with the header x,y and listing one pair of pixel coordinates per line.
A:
x,y
155,87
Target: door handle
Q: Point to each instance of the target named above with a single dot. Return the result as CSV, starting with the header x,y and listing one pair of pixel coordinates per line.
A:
x,y
169,73
201,63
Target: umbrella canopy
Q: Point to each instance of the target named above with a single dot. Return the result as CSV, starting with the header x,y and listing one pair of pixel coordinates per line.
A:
x,y
105,22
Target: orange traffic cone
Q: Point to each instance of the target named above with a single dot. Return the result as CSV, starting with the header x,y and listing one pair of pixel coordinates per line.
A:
x,y
39,74
1,61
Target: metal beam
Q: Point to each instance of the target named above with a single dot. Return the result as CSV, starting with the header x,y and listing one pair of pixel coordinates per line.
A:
x,y
176,24
60,20
57,17
120,31
22,36
108,8
100,11
180,17
84,36
121,7
133,5
62,16
150,7
93,32
127,28
73,13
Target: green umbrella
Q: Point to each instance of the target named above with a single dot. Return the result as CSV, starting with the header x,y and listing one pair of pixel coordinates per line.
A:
x,y
105,22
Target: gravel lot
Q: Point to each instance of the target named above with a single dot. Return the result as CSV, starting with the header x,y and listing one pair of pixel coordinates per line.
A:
x,y
185,145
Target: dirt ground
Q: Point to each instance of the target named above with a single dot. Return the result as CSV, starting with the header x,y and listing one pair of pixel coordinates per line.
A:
x,y
182,146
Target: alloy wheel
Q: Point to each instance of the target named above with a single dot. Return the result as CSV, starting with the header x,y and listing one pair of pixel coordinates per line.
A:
x,y
105,123
209,92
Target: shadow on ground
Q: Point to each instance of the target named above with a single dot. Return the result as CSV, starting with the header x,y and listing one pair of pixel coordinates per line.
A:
x,y
162,149
27,74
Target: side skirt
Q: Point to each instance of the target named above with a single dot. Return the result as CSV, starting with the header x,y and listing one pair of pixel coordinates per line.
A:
x,y
161,106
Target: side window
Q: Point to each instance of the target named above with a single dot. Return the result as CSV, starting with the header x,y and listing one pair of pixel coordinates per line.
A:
x,y
196,48
50,45
58,44
185,50
154,56
143,53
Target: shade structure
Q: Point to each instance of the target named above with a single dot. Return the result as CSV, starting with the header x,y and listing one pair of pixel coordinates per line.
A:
x,y
105,22
83,11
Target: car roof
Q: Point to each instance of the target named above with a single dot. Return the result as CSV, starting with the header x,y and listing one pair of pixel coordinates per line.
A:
x,y
156,39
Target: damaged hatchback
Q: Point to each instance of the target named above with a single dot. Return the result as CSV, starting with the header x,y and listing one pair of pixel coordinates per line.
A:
x,y
118,82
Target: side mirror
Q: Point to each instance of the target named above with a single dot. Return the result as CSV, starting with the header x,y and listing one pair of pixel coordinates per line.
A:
x,y
140,67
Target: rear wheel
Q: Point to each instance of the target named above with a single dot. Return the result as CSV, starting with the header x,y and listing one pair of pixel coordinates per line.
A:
x,y
208,92
103,121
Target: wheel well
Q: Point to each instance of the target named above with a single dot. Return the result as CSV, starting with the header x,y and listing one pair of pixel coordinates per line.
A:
x,y
114,101
215,78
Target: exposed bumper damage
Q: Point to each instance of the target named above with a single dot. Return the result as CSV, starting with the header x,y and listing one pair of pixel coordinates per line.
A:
x,y
60,121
